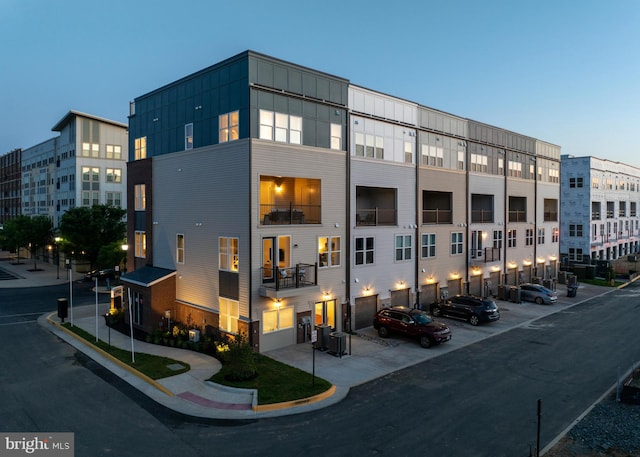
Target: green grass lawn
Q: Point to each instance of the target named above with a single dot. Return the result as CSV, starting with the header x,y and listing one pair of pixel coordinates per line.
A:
x,y
277,382
153,366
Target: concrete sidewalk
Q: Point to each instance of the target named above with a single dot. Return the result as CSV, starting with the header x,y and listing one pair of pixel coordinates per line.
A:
x,y
368,357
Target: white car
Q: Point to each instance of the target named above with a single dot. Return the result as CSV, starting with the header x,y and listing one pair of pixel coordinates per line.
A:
x,y
537,293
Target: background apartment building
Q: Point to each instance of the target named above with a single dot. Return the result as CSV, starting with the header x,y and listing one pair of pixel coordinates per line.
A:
x,y
10,185
600,219
269,198
83,166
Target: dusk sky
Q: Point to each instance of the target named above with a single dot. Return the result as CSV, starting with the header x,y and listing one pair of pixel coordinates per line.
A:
x,y
563,71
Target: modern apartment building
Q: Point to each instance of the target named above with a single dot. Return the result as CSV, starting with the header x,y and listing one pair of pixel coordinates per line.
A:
x,y
600,219
268,198
82,166
10,185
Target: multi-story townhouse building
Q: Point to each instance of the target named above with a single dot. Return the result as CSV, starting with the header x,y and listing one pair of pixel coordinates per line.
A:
x,y
600,219
10,185
83,166
267,198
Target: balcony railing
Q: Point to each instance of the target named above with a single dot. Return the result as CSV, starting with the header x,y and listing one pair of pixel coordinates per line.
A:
x,y
481,215
437,216
551,216
302,275
595,215
293,214
376,216
517,216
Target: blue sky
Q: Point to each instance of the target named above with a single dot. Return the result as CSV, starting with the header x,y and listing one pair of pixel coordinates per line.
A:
x,y
563,71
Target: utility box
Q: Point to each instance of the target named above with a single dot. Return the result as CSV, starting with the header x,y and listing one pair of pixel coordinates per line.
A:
x,y
194,335
324,331
337,343
502,292
514,294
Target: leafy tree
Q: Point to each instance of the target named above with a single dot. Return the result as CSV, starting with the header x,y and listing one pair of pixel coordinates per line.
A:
x,y
87,230
33,233
241,359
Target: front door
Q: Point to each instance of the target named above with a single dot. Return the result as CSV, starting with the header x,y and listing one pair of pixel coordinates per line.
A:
x,y
325,313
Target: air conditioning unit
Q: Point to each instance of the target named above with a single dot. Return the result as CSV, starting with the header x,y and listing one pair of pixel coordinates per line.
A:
x,y
194,336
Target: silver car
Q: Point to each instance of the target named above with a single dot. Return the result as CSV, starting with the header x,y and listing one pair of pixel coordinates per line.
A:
x,y
537,293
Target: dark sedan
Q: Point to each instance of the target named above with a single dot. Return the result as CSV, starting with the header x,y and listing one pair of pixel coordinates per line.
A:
x,y
101,274
470,308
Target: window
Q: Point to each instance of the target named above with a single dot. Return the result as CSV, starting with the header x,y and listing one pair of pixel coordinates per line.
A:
x,y
403,247
90,198
432,155
113,198
140,146
461,160
140,197
476,244
114,175
90,138
229,315
228,127
437,207
180,248
575,230
541,235
595,183
555,233
90,178
575,182
371,146
408,152
479,163
456,243
188,136
364,249
511,238
497,239
140,244
428,245
228,253
113,151
329,251
277,319
336,136
528,237
280,127
325,313
575,254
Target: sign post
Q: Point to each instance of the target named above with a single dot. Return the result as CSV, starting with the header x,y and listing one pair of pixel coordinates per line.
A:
x,y
314,338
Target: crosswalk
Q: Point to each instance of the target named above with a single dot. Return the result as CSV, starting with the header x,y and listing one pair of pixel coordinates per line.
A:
x,y
6,275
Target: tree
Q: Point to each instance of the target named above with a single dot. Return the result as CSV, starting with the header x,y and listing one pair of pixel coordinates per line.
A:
x,y
15,233
87,230
32,233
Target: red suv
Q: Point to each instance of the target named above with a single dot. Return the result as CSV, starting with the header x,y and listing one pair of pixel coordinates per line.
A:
x,y
411,322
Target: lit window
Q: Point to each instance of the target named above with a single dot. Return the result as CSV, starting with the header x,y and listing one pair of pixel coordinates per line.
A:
x,y
140,197
180,248
288,129
329,251
228,127
229,315
228,253
266,125
188,136
140,244
336,136
408,152
113,151
140,146
277,319
114,175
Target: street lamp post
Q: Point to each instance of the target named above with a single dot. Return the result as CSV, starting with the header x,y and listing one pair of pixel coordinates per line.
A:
x,y
57,240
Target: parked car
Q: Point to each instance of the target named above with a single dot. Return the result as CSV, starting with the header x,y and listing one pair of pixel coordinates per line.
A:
x,y
468,307
104,273
537,293
411,322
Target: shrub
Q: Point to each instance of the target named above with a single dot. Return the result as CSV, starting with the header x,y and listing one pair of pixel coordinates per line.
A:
x,y
241,361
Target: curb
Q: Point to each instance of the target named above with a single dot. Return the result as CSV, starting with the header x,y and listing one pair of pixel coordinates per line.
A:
x,y
111,358
303,401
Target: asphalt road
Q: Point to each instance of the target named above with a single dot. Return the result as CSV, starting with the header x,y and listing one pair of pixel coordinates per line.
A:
x,y
478,401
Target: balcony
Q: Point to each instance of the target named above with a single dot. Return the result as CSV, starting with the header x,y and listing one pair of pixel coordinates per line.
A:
x,y
437,216
481,215
287,282
486,255
517,216
375,216
300,214
550,216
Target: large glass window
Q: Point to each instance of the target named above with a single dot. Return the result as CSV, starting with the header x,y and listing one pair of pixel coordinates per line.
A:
x,y
188,136
228,253
329,251
364,250
277,319
457,245
229,315
325,313
140,244
140,197
140,146
90,138
289,200
229,127
280,127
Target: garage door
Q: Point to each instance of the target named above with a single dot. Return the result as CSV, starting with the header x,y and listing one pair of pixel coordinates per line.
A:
x,y
366,307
